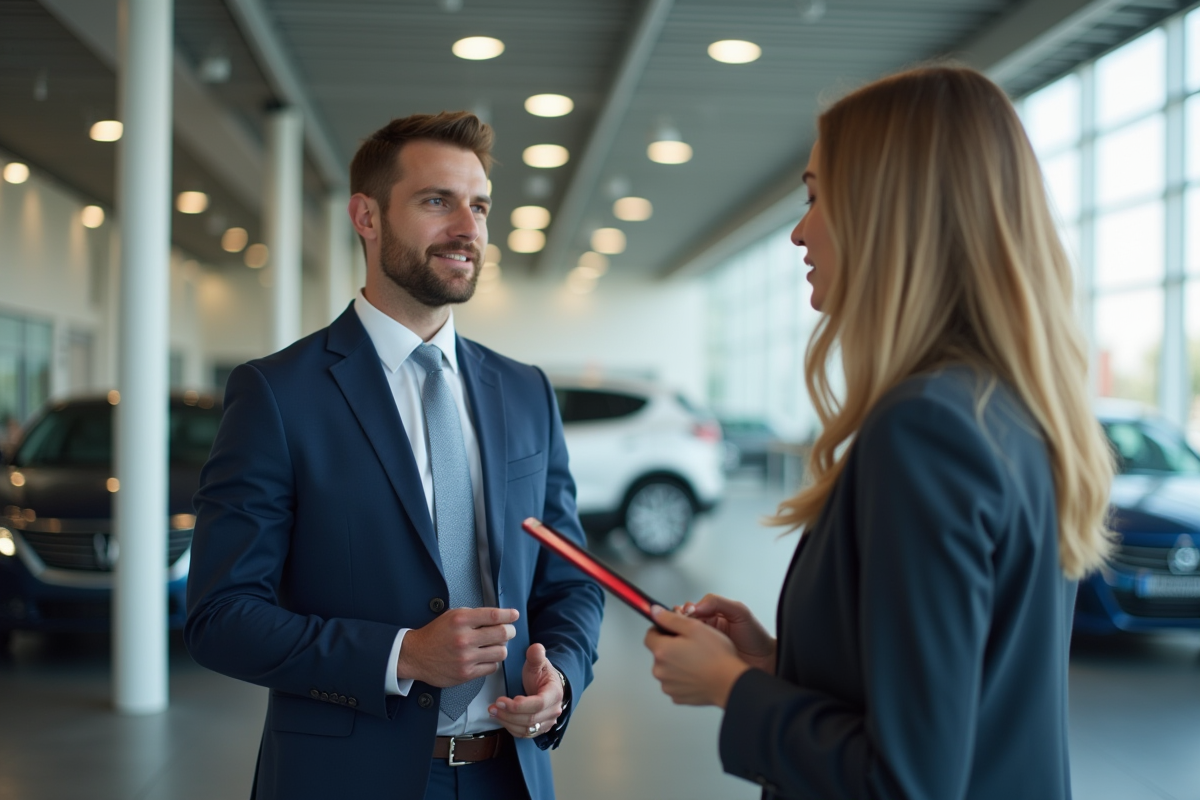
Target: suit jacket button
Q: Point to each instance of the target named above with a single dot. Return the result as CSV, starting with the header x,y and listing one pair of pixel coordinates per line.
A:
x,y
342,699
315,694
425,700
324,695
352,702
437,605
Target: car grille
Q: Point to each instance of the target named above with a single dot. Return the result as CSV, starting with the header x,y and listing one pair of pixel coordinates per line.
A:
x,y
1135,558
81,551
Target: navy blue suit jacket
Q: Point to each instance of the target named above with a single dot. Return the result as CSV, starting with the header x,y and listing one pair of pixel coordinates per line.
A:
x,y
314,546
924,623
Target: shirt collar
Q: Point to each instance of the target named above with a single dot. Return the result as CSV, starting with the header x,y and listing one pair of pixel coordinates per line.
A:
x,y
395,343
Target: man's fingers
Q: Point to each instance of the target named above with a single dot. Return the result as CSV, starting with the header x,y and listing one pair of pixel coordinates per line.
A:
x,y
485,617
535,657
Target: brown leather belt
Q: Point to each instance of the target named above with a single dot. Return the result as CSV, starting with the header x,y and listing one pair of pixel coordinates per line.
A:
x,y
459,750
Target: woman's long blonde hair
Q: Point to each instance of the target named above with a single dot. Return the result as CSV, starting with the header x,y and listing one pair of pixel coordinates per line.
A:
x,y
947,253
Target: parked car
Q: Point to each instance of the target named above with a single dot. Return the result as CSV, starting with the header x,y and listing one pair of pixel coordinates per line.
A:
x,y
57,542
748,442
643,458
1152,579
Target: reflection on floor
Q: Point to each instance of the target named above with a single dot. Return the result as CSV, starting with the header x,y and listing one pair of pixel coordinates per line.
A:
x,y
1135,708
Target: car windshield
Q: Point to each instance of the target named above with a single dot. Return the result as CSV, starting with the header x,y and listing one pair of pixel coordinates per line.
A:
x,y
1146,449
80,435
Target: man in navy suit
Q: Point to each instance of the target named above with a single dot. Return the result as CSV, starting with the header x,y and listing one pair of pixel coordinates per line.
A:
x,y
364,476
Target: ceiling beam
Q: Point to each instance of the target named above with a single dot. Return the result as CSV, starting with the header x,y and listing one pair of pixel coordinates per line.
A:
x,y
1018,40
608,124
260,34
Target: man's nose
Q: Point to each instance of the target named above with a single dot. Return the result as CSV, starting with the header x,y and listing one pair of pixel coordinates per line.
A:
x,y
465,225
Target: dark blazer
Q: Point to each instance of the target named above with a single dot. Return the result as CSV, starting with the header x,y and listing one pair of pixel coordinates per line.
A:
x,y
924,622
314,546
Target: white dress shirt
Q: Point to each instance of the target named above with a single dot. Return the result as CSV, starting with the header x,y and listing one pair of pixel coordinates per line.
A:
x,y
395,343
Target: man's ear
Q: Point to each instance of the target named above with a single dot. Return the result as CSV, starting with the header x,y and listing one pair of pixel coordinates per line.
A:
x,y
364,216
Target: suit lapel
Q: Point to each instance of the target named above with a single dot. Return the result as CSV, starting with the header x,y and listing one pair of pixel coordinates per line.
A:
x,y
360,377
486,398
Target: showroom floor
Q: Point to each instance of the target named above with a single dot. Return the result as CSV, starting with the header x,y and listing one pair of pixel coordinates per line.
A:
x,y
1135,704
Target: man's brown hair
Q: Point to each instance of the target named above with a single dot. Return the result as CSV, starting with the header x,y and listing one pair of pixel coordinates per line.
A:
x,y
376,165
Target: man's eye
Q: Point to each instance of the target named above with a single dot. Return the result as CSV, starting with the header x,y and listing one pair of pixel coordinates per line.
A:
x,y
437,201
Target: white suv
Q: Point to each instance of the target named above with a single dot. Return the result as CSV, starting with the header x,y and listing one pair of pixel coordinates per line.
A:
x,y
642,457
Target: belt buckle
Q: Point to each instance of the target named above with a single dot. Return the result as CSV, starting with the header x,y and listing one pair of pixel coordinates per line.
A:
x,y
454,742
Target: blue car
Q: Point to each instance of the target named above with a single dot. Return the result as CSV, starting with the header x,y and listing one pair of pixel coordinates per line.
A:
x,y
57,542
1152,580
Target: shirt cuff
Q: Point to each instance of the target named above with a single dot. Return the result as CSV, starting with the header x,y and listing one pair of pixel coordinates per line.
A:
x,y
391,683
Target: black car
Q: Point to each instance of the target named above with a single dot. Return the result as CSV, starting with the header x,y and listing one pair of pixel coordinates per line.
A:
x,y
57,542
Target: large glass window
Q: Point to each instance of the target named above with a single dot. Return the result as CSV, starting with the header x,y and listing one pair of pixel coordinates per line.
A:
x,y
1052,116
25,351
1191,315
1129,331
1192,27
1129,247
1132,80
1129,162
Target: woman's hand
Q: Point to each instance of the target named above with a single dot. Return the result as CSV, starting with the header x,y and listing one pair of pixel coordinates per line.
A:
x,y
698,665
754,645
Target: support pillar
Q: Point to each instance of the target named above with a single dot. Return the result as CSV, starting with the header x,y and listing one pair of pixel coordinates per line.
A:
x,y
339,287
140,504
283,221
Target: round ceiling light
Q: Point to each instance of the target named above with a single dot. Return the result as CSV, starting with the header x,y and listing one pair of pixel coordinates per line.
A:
x,y
256,256
609,241
106,130
234,240
549,105
734,51
669,152
478,48
491,254
633,209
489,272
16,172
545,156
596,262
580,282
534,217
92,216
524,240
191,202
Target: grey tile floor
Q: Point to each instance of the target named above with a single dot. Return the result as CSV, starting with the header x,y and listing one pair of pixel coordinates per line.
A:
x,y
1135,704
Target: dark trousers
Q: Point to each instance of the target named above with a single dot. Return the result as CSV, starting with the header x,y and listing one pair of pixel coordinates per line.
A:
x,y
497,778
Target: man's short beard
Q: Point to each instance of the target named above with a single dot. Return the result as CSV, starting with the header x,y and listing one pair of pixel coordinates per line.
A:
x,y
416,275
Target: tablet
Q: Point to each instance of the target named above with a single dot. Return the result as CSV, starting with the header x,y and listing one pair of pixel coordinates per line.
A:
x,y
582,560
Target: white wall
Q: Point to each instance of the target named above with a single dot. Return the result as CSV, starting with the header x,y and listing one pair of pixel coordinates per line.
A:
x,y
648,328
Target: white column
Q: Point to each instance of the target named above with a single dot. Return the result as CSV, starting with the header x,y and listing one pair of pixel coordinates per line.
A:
x,y
339,288
1174,390
283,221
144,210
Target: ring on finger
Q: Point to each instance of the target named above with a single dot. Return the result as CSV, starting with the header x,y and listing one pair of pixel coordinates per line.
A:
x,y
534,728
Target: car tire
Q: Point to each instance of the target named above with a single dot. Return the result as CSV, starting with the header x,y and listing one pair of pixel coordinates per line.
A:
x,y
658,515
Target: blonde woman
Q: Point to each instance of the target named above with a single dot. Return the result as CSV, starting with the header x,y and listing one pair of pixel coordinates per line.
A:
x,y
959,484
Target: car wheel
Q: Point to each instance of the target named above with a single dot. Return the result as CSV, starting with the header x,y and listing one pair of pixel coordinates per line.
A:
x,y
658,516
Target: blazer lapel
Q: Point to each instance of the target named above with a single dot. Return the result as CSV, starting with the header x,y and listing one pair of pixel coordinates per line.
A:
x,y
360,377
486,396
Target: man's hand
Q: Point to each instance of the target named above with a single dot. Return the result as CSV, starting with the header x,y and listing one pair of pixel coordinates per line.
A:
x,y
459,646
540,706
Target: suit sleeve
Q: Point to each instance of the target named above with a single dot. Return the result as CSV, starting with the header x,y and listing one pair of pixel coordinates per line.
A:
x,y
926,489
236,624
565,606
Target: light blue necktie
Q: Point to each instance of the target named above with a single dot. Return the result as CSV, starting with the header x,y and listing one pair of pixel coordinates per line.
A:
x,y
453,505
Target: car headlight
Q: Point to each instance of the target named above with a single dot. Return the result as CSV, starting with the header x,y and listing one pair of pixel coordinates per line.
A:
x,y
8,545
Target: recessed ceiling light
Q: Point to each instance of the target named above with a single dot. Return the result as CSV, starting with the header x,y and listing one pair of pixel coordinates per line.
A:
x,y
523,240
596,262
734,51
669,152
256,256
491,254
633,209
549,105
489,272
534,217
580,282
478,48
234,240
545,156
191,202
92,216
106,130
16,172
609,241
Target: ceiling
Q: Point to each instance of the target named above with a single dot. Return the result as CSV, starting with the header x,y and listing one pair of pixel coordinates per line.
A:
x,y
627,64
